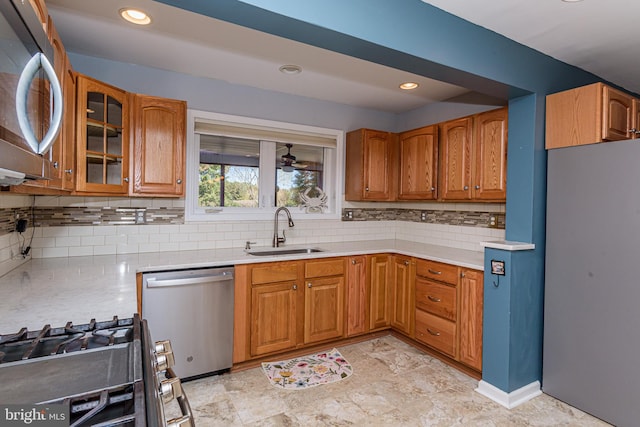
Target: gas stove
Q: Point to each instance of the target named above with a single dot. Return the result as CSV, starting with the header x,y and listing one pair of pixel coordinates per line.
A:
x,y
106,373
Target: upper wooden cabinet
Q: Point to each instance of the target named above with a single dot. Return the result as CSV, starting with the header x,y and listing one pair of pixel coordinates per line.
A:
x,y
158,146
418,164
456,137
474,157
102,128
370,166
490,155
590,114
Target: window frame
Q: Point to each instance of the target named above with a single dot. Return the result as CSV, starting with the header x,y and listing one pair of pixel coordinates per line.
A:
x,y
333,170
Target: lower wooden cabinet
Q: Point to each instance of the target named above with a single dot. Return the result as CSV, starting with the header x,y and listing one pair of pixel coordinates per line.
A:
x,y
402,295
380,291
357,303
288,305
471,292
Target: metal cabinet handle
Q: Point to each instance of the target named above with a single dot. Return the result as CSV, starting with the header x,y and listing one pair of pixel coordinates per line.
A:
x,y
407,263
178,181
462,274
366,189
466,187
69,171
126,179
56,165
477,187
294,287
22,95
434,272
353,262
434,299
434,333
433,188
309,285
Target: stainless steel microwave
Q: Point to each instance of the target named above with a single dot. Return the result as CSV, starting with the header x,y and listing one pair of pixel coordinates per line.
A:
x,y
30,95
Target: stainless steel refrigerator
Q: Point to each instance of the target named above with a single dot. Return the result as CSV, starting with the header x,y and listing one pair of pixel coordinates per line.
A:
x,y
592,280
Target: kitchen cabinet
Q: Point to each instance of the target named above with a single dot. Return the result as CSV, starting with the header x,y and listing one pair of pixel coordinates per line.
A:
x,y
490,155
474,157
402,301
357,304
588,115
471,293
436,306
274,302
41,11
102,149
379,267
418,164
324,300
456,138
63,149
371,166
158,146
290,304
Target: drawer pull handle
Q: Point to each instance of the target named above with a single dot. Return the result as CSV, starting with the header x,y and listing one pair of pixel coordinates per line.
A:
x,y
434,333
434,299
434,271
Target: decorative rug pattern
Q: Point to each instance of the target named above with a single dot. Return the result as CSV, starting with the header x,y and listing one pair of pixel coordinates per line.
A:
x,y
308,371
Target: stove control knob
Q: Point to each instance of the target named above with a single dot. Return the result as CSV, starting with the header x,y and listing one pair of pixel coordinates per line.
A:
x,y
184,421
164,347
170,389
164,361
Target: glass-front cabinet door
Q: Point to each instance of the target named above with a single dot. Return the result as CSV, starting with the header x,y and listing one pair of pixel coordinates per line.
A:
x,y
103,138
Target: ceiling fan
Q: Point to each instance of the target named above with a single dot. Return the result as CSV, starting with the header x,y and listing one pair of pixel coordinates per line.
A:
x,y
288,160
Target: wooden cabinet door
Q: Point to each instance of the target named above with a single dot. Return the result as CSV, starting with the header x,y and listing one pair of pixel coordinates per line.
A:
x,y
635,125
273,317
377,180
617,115
418,164
102,129
324,309
357,306
402,301
370,166
456,138
490,152
471,296
380,291
158,146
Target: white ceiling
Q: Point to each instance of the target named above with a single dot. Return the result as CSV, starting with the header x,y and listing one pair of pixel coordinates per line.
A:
x,y
581,34
599,36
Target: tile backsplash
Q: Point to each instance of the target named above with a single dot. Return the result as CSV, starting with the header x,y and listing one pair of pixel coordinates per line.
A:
x,y
67,226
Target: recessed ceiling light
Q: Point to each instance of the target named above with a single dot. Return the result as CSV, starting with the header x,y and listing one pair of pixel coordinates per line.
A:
x,y
291,69
135,16
408,85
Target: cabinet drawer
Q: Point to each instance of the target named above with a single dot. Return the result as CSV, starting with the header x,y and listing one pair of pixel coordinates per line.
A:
x,y
321,268
436,298
273,273
436,332
437,271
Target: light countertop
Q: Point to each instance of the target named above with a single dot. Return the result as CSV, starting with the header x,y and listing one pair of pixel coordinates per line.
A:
x,y
77,289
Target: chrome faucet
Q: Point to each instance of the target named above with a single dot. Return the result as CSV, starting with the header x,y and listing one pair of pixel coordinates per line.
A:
x,y
277,241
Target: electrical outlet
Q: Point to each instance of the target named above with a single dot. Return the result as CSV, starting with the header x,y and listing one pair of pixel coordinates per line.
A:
x,y
493,221
349,214
423,216
141,217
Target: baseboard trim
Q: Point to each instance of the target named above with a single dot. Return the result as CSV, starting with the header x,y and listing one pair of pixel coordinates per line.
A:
x,y
509,400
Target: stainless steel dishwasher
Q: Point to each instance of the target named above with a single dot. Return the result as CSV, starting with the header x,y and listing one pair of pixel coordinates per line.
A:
x,y
194,310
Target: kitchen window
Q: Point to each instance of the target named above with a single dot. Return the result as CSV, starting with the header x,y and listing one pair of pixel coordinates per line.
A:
x,y
241,168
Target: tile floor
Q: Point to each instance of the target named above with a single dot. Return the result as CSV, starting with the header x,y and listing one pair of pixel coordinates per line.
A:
x,y
393,384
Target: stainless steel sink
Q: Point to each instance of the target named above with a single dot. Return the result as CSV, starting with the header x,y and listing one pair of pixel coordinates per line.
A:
x,y
283,251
